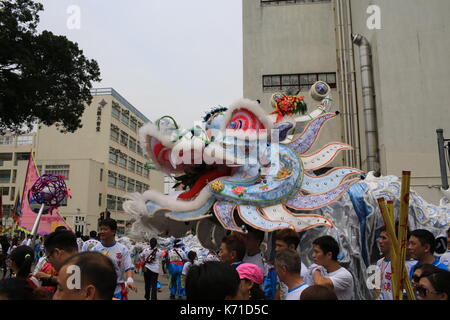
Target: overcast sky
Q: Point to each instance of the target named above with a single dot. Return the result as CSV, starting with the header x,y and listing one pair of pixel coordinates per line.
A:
x,y
172,57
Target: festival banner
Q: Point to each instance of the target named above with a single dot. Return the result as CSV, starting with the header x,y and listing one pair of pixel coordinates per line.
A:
x,y
50,221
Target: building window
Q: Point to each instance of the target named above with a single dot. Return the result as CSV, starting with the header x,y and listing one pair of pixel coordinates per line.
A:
x,y
14,176
122,183
132,165
21,156
24,140
131,185
133,124
6,140
125,116
111,202
13,193
123,161
145,187
101,174
115,110
120,203
99,199
113,155
60,170
112,179
146,172
139,168
132,144
4,191
296,82
5,176
123,138
139,150
138,187
114,133
5,157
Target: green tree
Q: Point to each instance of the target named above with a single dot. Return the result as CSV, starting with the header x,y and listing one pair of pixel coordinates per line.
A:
x,y
44,78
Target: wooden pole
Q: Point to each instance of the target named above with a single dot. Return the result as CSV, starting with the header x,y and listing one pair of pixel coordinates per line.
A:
x,y
390,228
402,235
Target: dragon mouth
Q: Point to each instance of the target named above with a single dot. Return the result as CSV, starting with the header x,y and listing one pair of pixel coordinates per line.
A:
x,y
209,174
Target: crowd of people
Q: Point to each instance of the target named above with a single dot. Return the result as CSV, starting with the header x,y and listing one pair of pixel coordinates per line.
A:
x,y
67,266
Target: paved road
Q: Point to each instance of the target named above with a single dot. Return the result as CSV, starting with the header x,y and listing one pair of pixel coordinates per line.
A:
x,y
139,281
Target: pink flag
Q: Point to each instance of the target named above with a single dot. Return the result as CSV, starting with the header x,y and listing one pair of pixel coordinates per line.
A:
x,y
49,221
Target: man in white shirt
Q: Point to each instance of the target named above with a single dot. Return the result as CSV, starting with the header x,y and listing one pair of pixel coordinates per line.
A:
x,y
152,257
384,266
120,256
284,239
287,265
327,271
89,244
177,258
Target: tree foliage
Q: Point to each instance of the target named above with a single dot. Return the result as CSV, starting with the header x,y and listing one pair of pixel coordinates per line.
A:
x,y
44,77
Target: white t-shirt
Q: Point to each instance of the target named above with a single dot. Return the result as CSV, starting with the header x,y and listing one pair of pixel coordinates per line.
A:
x,y
258,260
187,266
24,242
284,289
385,269
80,243
445,259
294,294
120,256
88,245
154,265
174,256
343,283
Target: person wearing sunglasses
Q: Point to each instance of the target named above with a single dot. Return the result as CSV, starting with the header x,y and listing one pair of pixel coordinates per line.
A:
x,y
434,284
421,268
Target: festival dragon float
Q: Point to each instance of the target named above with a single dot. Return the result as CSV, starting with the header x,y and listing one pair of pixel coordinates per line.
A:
x,y
241,168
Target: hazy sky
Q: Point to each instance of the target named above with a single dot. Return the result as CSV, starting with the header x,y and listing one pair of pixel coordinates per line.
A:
x,y
172,57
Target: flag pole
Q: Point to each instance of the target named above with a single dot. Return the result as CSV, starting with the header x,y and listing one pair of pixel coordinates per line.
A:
x,y
31,241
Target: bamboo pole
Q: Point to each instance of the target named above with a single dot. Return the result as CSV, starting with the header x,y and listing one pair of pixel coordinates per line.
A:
x,y
394,255
390,228
402,234
395,252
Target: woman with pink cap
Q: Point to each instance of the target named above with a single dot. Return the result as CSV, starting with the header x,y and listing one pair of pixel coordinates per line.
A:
x,y
251,278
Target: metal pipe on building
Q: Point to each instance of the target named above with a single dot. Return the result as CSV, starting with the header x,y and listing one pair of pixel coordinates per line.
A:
x,y
441,147
354,103
340,55
368,94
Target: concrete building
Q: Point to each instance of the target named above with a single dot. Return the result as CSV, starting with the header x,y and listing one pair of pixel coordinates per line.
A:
x,y
102,161
14,154
390,115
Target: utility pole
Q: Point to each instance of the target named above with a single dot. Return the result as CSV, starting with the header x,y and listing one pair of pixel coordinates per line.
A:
x,y
442,162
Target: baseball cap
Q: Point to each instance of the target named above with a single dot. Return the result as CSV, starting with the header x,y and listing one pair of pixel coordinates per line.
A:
x,y
250,272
